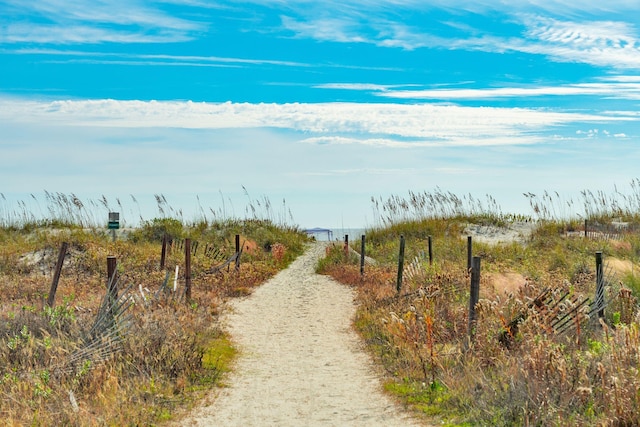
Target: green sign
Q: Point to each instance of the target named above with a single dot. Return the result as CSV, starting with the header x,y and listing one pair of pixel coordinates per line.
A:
x,y
114,220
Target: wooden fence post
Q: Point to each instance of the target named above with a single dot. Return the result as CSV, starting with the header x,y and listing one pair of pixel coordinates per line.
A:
x,y
237,252
187,270
400,264
585,229
599,285
346,247
112,278
474,295
163,253
56,275
469,253
362,255
430,252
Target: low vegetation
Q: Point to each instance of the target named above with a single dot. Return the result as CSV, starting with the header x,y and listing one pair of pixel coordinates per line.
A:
x,y
60,366
514,365
158,351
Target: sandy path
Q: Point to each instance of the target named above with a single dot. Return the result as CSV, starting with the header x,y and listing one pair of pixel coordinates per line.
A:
x,y
300,364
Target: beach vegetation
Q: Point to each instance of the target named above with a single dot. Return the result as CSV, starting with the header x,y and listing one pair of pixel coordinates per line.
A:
x,y
161,353
516,364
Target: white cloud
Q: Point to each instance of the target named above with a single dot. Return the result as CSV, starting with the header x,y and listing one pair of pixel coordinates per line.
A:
x,y
558,29
561,31
82,21
54,34
356,86
622,79
602,43
356,29
393,125
329,29
627,88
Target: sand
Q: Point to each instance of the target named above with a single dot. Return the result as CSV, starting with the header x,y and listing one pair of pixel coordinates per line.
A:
x,y
494,235
300,361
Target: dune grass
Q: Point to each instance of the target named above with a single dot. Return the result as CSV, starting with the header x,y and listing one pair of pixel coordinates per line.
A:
x,y
166,353
586,375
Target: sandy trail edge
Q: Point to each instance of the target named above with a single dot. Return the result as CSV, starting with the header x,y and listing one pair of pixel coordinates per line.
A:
x,y
300,362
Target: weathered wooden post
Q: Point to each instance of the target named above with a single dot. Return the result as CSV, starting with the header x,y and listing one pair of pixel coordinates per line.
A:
x,y
599,285
112,277
430,252
163,253
469,253
400,264
237,252
474,295
585,229
187,269
362,255
56,274
346,247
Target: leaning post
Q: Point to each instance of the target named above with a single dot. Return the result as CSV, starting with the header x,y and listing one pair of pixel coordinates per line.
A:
x,y
56,275
599,285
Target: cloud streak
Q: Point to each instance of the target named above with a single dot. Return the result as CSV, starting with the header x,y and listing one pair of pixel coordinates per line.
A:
x,y
608,43
79,22
377,125
630,91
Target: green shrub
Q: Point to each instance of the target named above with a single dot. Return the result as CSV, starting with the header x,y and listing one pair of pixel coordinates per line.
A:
x,y
155,230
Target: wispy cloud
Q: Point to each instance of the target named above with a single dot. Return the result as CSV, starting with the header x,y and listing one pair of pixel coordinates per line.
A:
x,y
572,36
360,86
622,87
329,29
379,31
602,43
150,60
384,125
95,57
82,21
561,31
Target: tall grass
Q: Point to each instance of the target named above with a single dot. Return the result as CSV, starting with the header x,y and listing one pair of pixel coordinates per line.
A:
x,y
170,351
586,375
592,205
65,210
548,206
431,205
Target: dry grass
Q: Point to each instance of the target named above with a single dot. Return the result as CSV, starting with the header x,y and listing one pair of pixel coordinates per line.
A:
x,y
168,350
510,373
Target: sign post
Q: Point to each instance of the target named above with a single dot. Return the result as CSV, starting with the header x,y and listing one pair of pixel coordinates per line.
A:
x,y
114,223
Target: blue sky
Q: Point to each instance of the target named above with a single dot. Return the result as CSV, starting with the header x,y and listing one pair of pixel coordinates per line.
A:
x,y
322,104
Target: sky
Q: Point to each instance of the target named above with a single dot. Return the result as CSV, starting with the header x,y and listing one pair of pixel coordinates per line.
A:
x,y
316,106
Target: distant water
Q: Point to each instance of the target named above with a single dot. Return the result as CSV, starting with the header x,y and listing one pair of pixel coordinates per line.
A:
x,y
338,234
